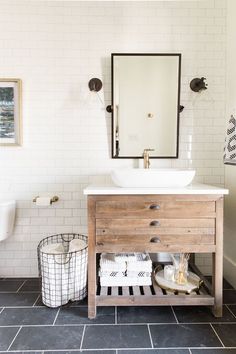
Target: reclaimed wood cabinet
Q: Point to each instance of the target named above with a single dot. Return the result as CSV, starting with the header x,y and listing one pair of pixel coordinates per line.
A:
x,y
155,223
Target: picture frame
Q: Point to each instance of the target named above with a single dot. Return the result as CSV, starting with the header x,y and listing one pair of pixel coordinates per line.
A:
x,y
10,112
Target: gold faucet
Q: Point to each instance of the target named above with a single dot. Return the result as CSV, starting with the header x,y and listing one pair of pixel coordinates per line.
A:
x,y
146,161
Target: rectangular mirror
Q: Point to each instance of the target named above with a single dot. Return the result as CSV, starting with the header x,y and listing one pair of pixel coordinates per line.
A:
x,y
145,105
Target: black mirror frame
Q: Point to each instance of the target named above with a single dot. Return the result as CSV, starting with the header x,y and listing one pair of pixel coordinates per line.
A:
x,y
112,104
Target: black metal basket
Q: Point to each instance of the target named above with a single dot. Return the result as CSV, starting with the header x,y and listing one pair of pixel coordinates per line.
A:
x,y
64,275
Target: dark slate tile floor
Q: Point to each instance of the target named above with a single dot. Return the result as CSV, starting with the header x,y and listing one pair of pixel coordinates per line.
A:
x,y
27,326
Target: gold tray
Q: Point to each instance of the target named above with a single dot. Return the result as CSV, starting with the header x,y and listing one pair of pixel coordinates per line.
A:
x,y
193,284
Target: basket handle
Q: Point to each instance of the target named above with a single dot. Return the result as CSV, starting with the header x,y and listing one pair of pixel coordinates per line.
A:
x,y
62,236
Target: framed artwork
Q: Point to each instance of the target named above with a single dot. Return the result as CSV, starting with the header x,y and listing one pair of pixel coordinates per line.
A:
x,y
10,112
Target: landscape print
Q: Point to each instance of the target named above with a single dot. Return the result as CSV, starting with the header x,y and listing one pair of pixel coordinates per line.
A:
x,y
9,112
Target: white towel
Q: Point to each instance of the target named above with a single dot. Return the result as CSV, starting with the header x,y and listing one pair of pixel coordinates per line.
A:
x,y
77,245
64,274
78,269
54,275
230,143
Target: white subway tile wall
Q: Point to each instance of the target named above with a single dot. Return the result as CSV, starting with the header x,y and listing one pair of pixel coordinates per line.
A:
x,y
56,48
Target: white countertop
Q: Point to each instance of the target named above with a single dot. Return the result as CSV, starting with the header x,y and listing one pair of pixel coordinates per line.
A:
x,y
191,189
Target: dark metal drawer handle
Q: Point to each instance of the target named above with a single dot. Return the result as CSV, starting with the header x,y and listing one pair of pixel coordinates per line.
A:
x,y
154,207
100,244
155,223
155,240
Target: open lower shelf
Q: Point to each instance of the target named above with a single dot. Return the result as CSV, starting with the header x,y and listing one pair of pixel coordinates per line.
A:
x,y
149,295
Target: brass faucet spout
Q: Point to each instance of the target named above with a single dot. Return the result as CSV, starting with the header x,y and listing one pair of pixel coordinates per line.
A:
x,y
146,160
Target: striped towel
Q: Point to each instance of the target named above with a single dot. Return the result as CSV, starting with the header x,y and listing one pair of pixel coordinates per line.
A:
x,y
230,143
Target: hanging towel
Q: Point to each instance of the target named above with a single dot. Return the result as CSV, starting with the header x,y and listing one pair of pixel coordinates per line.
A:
x,y
230,142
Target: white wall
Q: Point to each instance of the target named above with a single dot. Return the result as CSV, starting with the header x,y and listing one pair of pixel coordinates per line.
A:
x,y
230,171
55,48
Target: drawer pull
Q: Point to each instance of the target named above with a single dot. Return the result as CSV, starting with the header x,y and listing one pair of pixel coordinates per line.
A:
x,y
100,244
155,223
155,240
154,207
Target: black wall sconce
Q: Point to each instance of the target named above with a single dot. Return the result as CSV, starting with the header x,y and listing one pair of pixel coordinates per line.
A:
x,y
198,84
95,84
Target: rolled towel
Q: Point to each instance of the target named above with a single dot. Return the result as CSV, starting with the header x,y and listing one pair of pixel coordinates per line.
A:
x,y
77,245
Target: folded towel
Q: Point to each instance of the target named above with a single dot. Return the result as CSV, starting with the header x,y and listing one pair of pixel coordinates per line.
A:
x,y
53,248
125,257
230,143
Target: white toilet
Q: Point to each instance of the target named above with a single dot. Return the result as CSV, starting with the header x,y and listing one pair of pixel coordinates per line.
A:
x,y
7,218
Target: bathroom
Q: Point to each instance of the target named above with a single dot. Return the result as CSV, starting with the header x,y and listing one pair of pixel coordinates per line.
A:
x,y
55,48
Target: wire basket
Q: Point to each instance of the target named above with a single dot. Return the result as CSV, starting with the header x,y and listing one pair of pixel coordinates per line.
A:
x,y
64,274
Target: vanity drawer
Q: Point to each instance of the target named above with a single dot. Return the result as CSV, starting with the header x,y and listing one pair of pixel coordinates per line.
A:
x,y
150,226
158,238
155,208
155,243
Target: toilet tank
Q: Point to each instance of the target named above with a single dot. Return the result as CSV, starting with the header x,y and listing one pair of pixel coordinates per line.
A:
x,y
7,218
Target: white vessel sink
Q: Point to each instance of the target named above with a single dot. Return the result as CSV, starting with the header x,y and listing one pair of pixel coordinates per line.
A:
x,y
151,178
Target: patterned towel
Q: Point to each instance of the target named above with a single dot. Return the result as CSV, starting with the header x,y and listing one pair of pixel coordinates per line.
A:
x,y
230,143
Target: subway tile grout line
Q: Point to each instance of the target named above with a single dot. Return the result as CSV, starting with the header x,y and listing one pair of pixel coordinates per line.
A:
x,y
56,316
176,319
14,338
227,306
82,338
150,335
21,286
217,335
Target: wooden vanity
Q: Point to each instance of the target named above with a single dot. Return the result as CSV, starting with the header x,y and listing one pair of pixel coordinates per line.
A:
x,y
152,220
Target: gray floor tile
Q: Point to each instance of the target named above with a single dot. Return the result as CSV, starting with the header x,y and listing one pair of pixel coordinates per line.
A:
x,y
27,316
179,335
229,296
10,285
154,351
79,315
48,338
145,314
116,336
213,351
227,333
34,352
226,284
31,285
70,304
19,299
14,279
83,302
82,351
7,335
188,314
233,309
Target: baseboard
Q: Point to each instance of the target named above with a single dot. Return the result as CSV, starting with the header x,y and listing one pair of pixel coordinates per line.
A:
x,y
230,271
